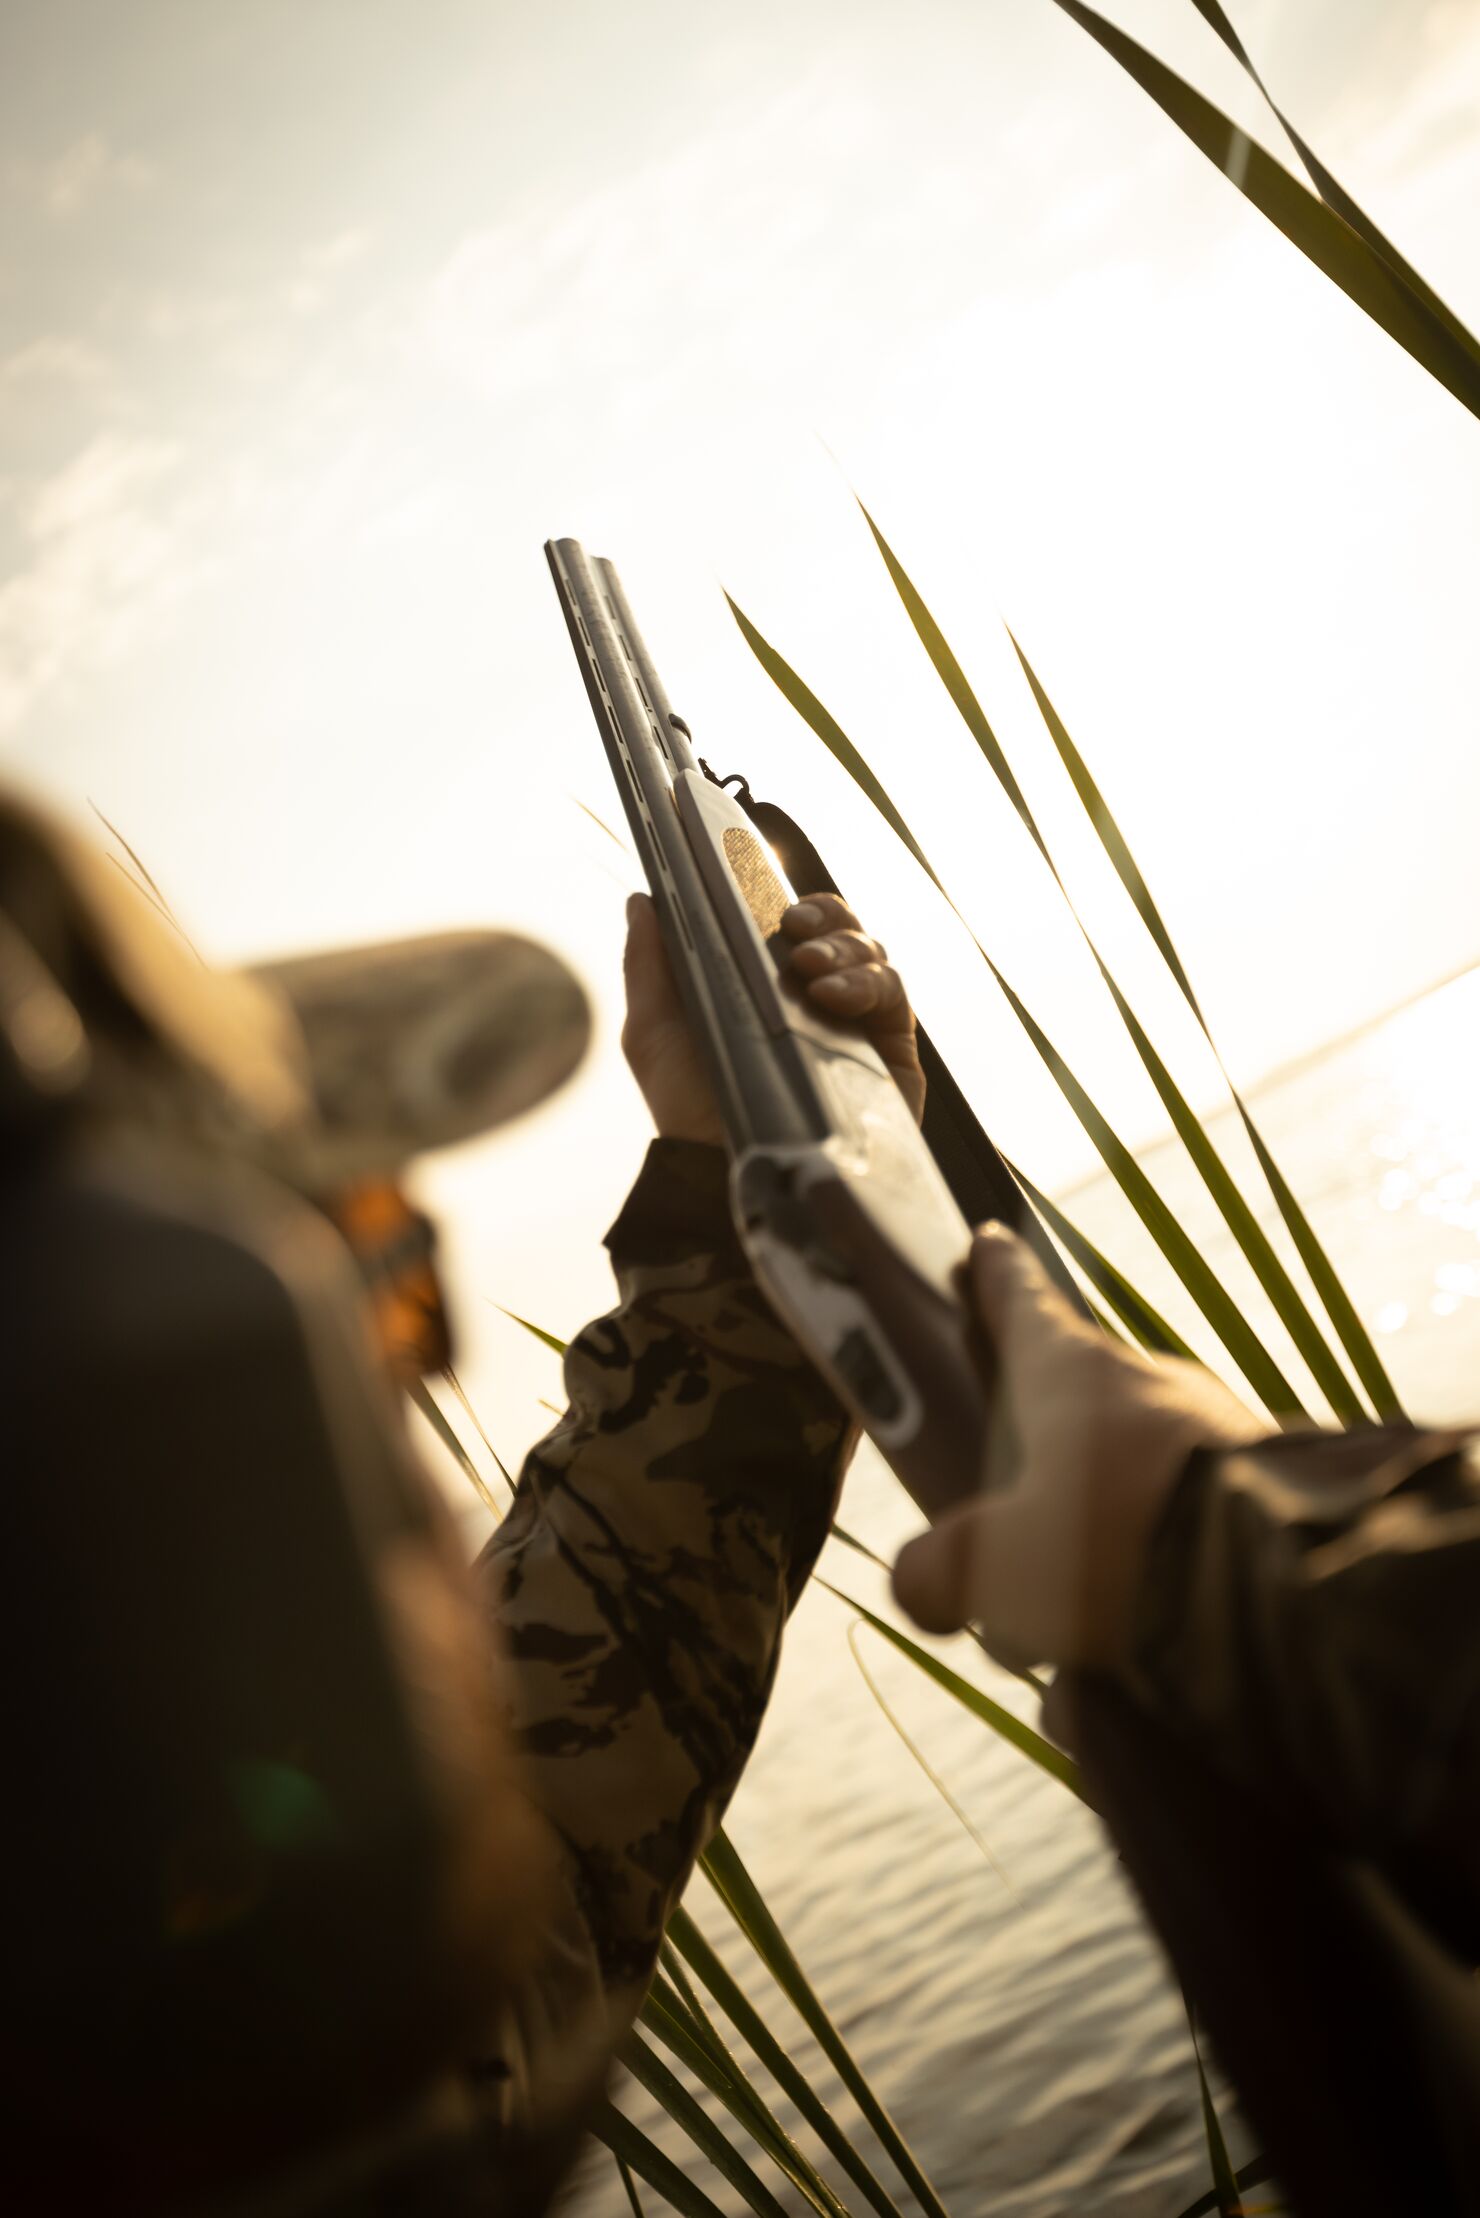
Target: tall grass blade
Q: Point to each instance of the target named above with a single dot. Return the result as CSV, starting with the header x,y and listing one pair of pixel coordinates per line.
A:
x,y
631,2146
420,1394
1350,1330
973,1833
1229,2203
831,733
1022,1737
477,1424
634,2201
537,1331
742,1898
667,2088
954,679
1241,1222
1365,274
1283,1294
681,2021
1352,1334
1251,2174
1335,195
860,1547
145,883
1238,1337
1144,1324
697,1951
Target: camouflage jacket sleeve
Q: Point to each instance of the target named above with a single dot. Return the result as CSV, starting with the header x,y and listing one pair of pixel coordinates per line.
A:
x,y
1310,1613
660,1534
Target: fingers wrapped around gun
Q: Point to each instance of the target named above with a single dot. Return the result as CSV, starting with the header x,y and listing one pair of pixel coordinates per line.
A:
x,y
816,913
841,966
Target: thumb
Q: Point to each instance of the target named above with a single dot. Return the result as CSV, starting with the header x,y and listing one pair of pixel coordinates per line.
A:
x,y
931,1579
1004,1273
645,973
1033,1329
989,1562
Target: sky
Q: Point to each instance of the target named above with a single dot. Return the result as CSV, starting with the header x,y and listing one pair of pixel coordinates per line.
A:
x,y
317,318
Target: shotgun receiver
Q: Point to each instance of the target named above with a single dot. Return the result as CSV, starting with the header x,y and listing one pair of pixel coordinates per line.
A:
x,y
847,1221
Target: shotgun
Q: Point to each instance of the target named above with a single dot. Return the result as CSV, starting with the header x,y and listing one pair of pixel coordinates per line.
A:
x,y
845,1216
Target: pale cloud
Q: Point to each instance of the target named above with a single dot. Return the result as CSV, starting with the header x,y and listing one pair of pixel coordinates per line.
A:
x,y
76,177
722,230
322,265
99,565
1435,52
50,364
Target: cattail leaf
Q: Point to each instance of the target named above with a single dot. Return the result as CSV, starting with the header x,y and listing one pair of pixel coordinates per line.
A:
x,y
828,730
752,2028
918,1755
1334,194
1250,2174
954,679
742,1898
420,1394
1372,281
1238,1337
537,1331
1284,1296
1228,2202
685,2025
1349,1328
631,2146
1145,1324
1002,1721
634,2200
666,2088
1276,1281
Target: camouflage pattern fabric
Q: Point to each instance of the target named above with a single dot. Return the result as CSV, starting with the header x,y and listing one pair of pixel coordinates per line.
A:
x,y
1292,1779
639,1586
1309,1610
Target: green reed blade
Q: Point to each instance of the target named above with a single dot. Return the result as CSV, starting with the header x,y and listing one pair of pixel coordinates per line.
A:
x,y
538,1331
954,678
476,1422
688,2032
1250,1235
742,1898
1109,832
1350,1331
685,2025
1334,194
833,738
1283,1294
859,1547
1002,1721
1367,276
667,2088
1228,2202
630,2145
1252,2174
903,1734
1238,1337
1145,1324
634,2201
420,1394
788,2075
